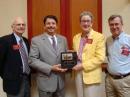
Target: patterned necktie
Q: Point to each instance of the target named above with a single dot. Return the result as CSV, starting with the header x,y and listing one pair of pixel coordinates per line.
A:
x,y
53,42
24,57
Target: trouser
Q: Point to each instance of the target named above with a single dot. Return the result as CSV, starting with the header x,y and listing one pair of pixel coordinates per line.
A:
x,y
83,90
59,93
24,90
117,87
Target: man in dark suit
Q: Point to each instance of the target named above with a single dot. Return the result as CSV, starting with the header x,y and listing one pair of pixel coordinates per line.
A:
x,y
14,68
44,57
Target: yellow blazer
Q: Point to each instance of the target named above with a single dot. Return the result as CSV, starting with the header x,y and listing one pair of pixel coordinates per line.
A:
x,y
92,57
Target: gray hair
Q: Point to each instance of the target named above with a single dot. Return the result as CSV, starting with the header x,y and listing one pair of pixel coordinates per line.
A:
x,y
84,13
112,17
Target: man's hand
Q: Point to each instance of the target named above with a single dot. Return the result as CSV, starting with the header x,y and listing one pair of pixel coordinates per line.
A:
x,y
58,68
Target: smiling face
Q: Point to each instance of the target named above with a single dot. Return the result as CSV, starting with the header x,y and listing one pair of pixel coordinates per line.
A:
x,y
86,23
19,26
116,26
50,26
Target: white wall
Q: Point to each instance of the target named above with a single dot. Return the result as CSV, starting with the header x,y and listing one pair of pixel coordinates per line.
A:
x,y
121,7
11,8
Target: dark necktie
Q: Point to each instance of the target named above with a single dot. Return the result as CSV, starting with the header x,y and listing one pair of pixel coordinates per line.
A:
x,y
24,57
53,42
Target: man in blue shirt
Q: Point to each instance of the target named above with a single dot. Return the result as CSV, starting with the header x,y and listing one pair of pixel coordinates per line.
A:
x,y
118,53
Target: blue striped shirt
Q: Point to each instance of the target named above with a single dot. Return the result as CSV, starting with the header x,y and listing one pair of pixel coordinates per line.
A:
x,y
118,53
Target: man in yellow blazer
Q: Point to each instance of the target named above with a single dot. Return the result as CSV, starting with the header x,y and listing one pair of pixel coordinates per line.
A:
x,y
90,47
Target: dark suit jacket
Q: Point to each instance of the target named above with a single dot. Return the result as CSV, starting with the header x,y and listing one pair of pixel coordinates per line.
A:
x,y
11,67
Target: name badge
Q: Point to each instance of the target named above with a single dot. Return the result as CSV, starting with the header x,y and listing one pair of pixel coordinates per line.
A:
x,y
125,51
16,47
89,41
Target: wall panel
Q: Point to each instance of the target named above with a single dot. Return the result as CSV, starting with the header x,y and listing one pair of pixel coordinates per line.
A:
x,y
67,11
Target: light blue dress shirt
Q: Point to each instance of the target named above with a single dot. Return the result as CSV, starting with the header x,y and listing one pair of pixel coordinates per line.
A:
x,y
118,62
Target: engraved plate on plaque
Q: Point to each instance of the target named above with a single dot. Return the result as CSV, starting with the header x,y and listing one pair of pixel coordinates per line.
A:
x,y
68,59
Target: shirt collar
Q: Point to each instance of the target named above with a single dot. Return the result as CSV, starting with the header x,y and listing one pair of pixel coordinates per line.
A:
x,y
90,34
121,34
17,37
49,36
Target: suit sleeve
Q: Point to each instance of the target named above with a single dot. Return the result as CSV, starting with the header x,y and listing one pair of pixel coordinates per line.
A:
x,y
3,51
98,58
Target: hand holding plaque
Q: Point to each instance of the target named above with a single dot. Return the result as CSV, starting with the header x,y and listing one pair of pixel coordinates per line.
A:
x,y
68,59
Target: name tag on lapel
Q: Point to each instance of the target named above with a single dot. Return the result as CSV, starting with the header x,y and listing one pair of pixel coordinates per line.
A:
x,y
89,41
16,47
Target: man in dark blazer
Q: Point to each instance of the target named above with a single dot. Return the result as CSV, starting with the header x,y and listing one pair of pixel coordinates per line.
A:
x,y
44,57
13,69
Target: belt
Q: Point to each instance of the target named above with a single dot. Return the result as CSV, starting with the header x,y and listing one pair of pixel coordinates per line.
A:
x,y
119,76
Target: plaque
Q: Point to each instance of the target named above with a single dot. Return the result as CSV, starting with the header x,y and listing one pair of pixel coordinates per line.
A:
x,y
68,59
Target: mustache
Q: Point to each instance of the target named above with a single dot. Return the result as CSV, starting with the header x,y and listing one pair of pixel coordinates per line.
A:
x,y
51,27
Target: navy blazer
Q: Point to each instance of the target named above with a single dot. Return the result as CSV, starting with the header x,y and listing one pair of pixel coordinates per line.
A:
x,y
11,67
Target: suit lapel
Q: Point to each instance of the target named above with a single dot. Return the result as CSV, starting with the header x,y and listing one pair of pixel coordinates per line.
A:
x,y
47,43
14,42
58,44
13,39
91,35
